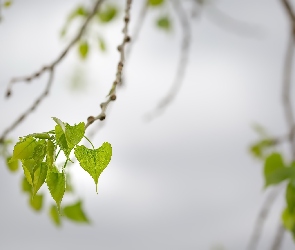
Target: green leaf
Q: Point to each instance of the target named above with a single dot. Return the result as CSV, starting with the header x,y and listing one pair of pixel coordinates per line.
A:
x,y
75,213
288,219
80,11
36,202
94,161
39,151
12,164
41,136
50,154
54,215
7,4
275,170
155,2
258,149
60,123
26,186
108,13
61,140
24,149
40,173
83,49
28,167
164,23
56,185
102,44
74,134
70,138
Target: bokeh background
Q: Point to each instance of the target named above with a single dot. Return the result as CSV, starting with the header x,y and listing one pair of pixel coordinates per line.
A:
x,y
186,179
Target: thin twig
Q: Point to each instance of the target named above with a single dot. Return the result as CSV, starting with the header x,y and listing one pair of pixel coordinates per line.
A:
x,y
49,68
261,218
138,27
30,109
224,21
278,238
121,48
287,105
182,63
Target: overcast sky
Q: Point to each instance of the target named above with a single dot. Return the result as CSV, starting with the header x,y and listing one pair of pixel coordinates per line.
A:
x,y
186,179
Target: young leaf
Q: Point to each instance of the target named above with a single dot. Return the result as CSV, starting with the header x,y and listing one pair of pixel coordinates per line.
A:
x,y
108,13
60,123
288,219
41,136
75,213
83,49
70,138
40,173
50,154
36,202
155,2
39,151
54,215
94,161
12,164
26,186
56,185
275,170
7,4
102,44
61,140
28,166
164,23
74,134
24,149
79,11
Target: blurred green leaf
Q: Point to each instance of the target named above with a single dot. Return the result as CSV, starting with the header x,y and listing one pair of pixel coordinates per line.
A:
x,y
155,2
54,215
288,220
107,13
12,164
75,213
83,49
7,4
275,170
164,23
36,202
258,149
102,44
290,197
80,11
26,186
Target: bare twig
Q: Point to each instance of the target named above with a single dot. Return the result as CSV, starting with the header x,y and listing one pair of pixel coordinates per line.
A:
x,y
138,27
182,63
121,48
49,68
263,213
30,109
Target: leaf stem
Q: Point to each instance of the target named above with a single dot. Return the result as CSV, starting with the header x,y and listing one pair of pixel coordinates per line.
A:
x,y
88,141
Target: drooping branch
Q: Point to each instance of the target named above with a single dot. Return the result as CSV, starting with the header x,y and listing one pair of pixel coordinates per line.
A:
x,y
48,68
287,105
182,63
261,218
121,48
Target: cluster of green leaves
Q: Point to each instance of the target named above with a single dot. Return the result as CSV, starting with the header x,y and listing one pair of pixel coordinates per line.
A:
x,y
106,14
38,155
276,171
